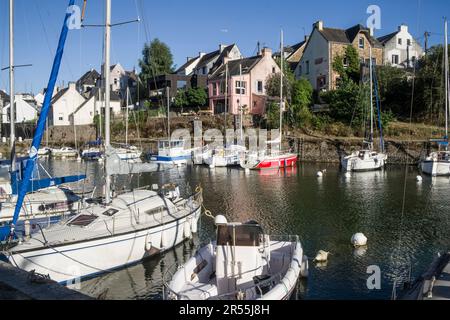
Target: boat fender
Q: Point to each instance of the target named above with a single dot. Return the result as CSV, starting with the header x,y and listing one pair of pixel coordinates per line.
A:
x,y
187,229
320,174
304,270
322,256
419,179
148,244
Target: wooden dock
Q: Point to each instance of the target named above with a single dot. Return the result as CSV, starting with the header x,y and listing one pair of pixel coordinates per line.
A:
x,y
16,284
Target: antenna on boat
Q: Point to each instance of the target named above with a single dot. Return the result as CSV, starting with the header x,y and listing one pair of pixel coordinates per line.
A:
x,y
371,96
11,78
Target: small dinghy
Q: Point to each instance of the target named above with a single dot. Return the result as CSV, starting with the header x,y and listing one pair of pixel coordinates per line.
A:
x,y
244,264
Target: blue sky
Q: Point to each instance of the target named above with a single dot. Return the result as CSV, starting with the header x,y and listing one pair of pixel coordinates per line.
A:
x,y
188,27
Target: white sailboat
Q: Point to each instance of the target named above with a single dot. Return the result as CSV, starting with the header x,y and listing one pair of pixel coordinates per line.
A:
x,y
367,159
230,156
242,264
121,230
438,163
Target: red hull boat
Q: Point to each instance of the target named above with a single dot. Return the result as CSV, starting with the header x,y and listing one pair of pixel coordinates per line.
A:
x,y
272,162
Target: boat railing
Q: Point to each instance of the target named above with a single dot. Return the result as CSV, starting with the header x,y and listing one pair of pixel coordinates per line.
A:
x,y
169,294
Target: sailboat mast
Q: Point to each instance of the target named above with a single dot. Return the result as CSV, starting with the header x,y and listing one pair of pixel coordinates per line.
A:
x,y
446,76
371,94
240,104
168,113
127,116
107,95
226,94
281,89
11,75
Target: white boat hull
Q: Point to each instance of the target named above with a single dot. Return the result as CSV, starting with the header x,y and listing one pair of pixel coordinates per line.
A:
x,y
436,168
354,163
69,263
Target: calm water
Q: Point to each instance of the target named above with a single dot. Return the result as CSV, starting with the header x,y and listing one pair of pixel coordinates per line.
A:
x,y
324,212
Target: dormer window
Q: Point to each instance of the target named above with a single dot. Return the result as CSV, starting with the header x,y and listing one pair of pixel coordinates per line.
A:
x,y
361,43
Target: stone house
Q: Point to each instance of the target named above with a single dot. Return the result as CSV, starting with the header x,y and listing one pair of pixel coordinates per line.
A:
x,y
326,44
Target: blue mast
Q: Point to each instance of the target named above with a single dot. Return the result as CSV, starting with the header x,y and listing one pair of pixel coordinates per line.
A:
x,y
24,187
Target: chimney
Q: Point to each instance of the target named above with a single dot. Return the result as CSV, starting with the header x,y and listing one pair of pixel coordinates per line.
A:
x,y
403,28
201,54
72,86
306,38
318,25
222,47
266,52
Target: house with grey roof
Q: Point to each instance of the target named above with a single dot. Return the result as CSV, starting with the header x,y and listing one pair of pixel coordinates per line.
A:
x,y
26,109
401,49
326,44
240,84
293,53
88,81
4,99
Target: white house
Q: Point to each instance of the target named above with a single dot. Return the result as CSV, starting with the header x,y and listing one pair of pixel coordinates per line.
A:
x,y
401,49
26,109
4,99
39,98
64,103
86,112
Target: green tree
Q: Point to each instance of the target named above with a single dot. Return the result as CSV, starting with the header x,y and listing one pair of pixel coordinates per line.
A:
x,y
181,100
273,116
348,65
156,59
301,100
197,97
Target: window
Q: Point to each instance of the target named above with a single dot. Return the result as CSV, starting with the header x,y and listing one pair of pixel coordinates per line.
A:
x,y
273,70
155,211
400,41
222,87
61,118
395,59
307,67
259,86
204,70
83,220
181,84
214,85
361,42
110,212
321,82
240,87
116,81
345,62
300,70
408,42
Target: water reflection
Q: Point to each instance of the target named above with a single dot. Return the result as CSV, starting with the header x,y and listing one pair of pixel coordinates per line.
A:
x,y
325,214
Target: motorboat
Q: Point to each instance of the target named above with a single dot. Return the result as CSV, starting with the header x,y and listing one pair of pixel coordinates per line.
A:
x,y
243,263
226,157
171,152
65,152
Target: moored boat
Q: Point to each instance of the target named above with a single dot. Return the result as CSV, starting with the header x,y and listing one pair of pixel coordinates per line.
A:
x,y
364,160
66,152
243,264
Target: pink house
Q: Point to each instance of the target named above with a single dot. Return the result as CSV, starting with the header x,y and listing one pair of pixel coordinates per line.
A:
x,y
246,89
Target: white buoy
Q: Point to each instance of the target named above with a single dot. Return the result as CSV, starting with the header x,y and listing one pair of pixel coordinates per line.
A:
x,y
322,256
359,240
79,159
63,158
419,179
320,174
187,229
348,175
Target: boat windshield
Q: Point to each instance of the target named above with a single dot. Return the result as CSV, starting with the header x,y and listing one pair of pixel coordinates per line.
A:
x,y
83,220
239,235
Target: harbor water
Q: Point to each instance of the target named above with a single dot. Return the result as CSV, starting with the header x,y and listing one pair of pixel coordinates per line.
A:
x,y
406,223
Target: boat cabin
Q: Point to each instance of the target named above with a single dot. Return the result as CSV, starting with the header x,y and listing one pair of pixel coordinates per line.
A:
x,y
171,148
239,259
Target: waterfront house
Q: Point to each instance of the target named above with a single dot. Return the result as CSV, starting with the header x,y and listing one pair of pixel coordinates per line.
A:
x,y
39,98
26,109
4,99
294,53
63,104
157,86
87,82
248,91
205,63
401,49
91,107
325,44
